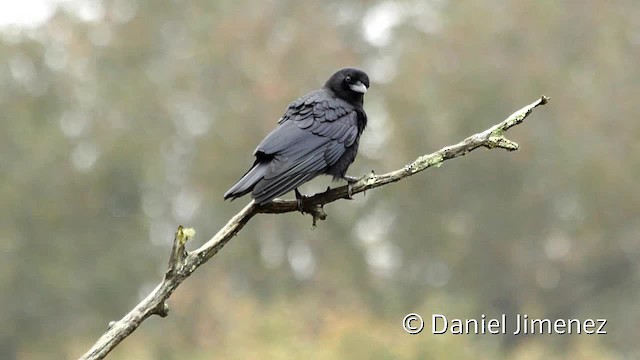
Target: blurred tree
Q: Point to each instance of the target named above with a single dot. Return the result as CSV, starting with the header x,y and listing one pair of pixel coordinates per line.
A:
x,y
119,117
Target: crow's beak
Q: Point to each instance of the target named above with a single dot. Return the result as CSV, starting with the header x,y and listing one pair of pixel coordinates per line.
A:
x,y
358,87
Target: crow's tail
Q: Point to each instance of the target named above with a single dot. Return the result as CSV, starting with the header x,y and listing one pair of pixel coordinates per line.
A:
x,y
248,181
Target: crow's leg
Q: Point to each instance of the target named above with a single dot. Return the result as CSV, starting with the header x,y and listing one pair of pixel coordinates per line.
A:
x,y
299,199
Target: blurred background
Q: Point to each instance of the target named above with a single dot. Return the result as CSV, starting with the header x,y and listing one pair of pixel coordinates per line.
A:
x,y
122,119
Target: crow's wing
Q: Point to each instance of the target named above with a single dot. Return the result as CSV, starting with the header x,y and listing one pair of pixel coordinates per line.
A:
x,y
313,134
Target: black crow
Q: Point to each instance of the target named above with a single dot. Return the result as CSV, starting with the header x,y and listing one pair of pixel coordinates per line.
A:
x,y
318,134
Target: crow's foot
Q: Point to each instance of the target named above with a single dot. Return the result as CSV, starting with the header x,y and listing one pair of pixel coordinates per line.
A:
x,y
299,199
350,181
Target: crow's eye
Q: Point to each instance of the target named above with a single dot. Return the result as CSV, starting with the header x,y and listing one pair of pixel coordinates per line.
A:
x,y
348,79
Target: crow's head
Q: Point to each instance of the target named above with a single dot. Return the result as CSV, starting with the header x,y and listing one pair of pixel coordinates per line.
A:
x,y
349,84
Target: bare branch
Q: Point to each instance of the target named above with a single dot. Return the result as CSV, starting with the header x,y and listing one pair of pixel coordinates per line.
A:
x,y
182,263
491,138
